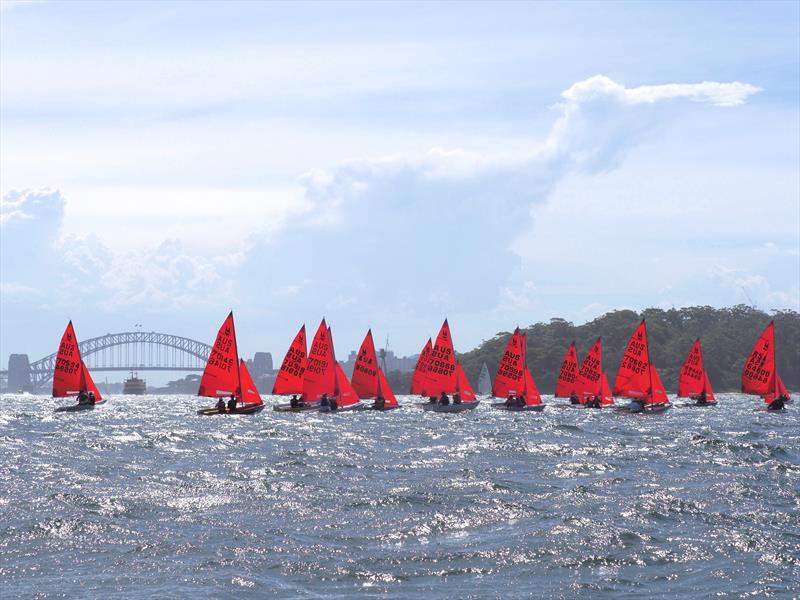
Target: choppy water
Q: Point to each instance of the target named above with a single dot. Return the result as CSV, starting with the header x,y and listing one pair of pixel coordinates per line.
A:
x,y
141,498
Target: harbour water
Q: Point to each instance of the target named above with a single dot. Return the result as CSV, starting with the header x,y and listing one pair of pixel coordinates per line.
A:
x,y
141,498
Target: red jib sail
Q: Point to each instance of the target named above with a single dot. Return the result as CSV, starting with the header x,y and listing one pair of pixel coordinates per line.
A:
x,y
385,391
320,375
657,393
606,399
67,372
510,378
420,370
88,384
249,393
693,379
782,388
591,373
344,393
758,376
293,367
567,376
463,388
532,396
441,374
633,377
221,375
365,371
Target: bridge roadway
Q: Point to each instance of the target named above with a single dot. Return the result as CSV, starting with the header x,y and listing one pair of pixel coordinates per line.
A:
x,y
130,351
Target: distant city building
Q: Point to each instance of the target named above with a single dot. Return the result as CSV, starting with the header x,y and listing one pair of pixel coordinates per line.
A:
x,y
260,364
19,373
404,364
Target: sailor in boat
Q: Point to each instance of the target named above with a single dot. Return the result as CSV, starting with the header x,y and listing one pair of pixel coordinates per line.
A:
x,y
520,401
334,404
379,403
83,397
510,401
91,399
432,400
456,398
636,406
444,399
778,403
220,406
701,399
232,404
324,402
294,402
573,399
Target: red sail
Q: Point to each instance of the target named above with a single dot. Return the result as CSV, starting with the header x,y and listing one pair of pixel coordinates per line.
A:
x,y
88,384
657,394
567,376
758,376
67,372
532,396
633,378
441,374
249,392
782,388
591,373
344,393
707,387
420,370
365,371
606,399
463,388
510,378
385,391
221,375
692,376
320,375
293,367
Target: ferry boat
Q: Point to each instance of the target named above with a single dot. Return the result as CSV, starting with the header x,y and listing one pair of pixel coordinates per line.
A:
x,y
134,385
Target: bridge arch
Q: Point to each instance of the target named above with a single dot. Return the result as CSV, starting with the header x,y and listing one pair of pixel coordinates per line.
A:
x,y
132,351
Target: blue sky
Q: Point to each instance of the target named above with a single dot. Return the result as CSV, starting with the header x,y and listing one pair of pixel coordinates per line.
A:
x,y
387,165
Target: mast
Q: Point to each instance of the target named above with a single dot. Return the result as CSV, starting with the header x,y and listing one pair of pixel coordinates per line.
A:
x,y
649,359
238,366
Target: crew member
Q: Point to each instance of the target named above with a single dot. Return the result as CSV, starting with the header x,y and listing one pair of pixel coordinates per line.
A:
x,y
510,401
701,399
294,402
83,397
220,406
91,398
379,403
444,399
456,398
573,399
232,404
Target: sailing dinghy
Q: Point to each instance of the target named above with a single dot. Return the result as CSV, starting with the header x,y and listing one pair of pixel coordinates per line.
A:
x,y
484,381
444,376
514,380
568,376
71,377
638,378
368,379
226,375
693,381
343,397
291,374
760,373
592,383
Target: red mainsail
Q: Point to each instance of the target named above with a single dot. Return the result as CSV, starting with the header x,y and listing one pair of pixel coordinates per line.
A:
x,y
365,371
463,388
758,376
221,375
441,374
385,391
293,367
249,393
320,375
344,393
567,376
420,370
67,372
510,378
633,377
693,377
591,373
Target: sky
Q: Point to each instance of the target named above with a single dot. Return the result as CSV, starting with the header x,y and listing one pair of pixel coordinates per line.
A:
x,y
388,165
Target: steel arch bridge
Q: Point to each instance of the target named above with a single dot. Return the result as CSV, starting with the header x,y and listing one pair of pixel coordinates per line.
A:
x,y
131,351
